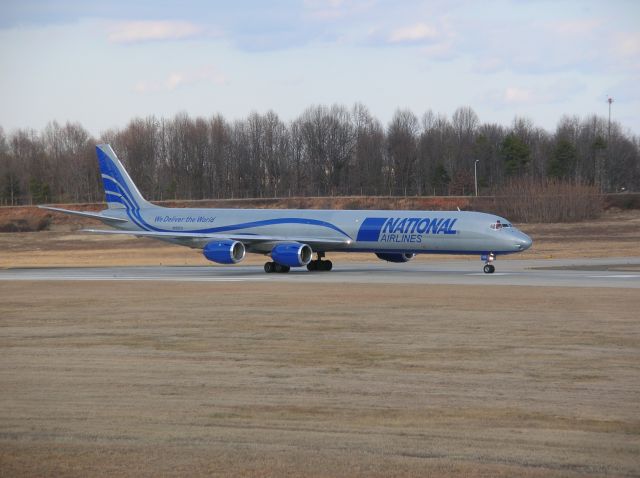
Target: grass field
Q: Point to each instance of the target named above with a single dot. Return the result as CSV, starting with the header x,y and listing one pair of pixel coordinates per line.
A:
x,y
145,379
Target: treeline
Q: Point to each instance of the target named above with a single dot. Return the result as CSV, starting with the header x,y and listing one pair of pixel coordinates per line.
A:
x,y
325,151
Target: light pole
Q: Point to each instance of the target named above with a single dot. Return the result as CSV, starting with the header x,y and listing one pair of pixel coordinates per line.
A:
x,y
609,100
475,174
608,158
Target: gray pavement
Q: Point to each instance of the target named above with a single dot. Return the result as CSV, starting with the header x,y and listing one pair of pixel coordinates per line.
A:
x,y
605,272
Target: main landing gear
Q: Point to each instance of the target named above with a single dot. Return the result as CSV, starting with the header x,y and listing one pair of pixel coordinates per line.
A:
x,y
489,268
316,265
270,267
319,264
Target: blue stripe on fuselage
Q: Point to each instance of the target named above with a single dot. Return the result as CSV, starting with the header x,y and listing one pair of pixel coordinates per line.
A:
x,y
370,229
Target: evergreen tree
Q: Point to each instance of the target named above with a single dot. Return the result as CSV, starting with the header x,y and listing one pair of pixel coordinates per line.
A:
x,y
563,160
39,190
515,153
441,179
11,190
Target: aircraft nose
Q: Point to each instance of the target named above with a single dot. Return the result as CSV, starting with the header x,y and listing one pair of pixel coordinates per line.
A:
x,y
523,242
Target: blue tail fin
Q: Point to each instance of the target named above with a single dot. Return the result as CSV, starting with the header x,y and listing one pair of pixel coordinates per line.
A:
x,y
119,190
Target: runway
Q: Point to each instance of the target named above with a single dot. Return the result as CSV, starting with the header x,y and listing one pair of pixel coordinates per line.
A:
x,y
605,272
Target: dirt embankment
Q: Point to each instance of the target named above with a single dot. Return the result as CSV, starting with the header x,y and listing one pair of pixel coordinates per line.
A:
x,y
34,219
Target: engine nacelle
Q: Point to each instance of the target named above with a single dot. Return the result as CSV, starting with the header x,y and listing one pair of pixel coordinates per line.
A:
x,y
224,252
395,256
292,254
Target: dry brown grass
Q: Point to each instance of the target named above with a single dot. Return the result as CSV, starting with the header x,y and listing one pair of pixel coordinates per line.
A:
x,y
615,234
548,200
147,379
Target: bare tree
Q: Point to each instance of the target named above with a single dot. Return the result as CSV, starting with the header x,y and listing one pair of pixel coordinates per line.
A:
x,y
465,124
402,150
370,169
329,141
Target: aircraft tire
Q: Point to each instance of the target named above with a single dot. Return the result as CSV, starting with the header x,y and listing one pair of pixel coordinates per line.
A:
x,y
269,267
327,266
312,266
489,269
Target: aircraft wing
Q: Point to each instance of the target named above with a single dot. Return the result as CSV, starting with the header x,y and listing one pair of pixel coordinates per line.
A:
x,y
244,238
92,215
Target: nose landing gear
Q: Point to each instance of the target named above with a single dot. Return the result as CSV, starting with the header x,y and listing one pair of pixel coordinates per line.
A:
x,y
488,268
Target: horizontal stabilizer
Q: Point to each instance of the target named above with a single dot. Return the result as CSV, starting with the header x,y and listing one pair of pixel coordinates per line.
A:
x,y
92,215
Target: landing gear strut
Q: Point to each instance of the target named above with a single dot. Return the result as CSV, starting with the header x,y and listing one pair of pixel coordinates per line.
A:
x,y
319,264
270,267
489,268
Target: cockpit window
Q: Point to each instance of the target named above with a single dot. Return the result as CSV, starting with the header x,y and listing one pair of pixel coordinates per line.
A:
x,y
500,225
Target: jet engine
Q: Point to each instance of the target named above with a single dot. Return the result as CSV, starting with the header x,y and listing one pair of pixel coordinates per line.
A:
x,y
224,252
292,254
395,256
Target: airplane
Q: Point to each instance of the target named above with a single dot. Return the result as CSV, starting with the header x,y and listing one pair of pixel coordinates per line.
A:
x,y
291,236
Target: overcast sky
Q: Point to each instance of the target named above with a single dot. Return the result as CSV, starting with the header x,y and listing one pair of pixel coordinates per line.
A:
x,y
103,63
